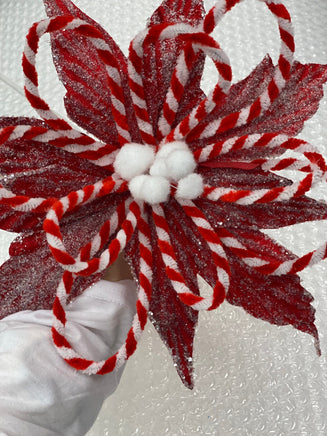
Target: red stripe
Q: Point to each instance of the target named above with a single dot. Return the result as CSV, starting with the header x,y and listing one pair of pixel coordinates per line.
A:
x,y
72,200
130,343
255,111
5,133
301,263
221,262
265,139
209,21
109,365
85,252
146,255
58,23
135,59
36,102
58,208
93,266
228,122
270,196
14,201
59,311
59,340
304,186
287,39
219,296
29,70
88,192
209,235
166,248
154,33
32,38
50,227
284,66
239,144
106,188
68,281
46,205
107,57
232,197
62,257
145,284
279,10
169,114
34,131
160,221
283,164
78,363
104,233
190,299
174,275
142,314
273,90
89,31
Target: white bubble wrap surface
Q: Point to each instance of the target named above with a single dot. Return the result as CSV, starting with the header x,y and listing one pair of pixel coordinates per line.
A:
x,y
251,378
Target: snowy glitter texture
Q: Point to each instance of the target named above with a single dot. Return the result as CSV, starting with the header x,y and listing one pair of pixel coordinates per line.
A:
x,y
180,181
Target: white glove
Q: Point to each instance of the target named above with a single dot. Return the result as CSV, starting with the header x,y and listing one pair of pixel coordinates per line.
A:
x,y
41,395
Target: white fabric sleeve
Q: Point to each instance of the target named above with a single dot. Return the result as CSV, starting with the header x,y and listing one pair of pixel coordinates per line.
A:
x,y
40,395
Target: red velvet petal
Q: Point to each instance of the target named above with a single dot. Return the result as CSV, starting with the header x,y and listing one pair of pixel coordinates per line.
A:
x,y
88,100
163,56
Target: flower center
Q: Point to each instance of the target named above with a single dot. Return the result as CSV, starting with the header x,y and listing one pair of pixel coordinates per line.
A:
x,y
151,175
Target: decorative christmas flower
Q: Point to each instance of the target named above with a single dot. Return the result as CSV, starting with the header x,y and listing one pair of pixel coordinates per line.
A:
x,y
180,181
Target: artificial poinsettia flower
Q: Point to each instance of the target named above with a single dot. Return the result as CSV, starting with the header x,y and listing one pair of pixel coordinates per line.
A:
x,y
180,181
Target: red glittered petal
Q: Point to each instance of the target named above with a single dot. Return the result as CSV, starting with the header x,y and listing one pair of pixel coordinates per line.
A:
x,y
280,300
174,321
29,279
37,169
298,101
239,178
164,54
88,98
240,95
265,216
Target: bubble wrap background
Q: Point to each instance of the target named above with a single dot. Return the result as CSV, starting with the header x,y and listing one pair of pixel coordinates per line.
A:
x,y
251,378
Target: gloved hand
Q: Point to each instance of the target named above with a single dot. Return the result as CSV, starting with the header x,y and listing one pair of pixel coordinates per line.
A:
x,y
41,395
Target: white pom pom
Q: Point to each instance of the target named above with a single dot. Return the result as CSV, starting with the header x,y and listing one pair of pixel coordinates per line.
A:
x,y
150,189
190,187
133,159
180,163
159,167
166,149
